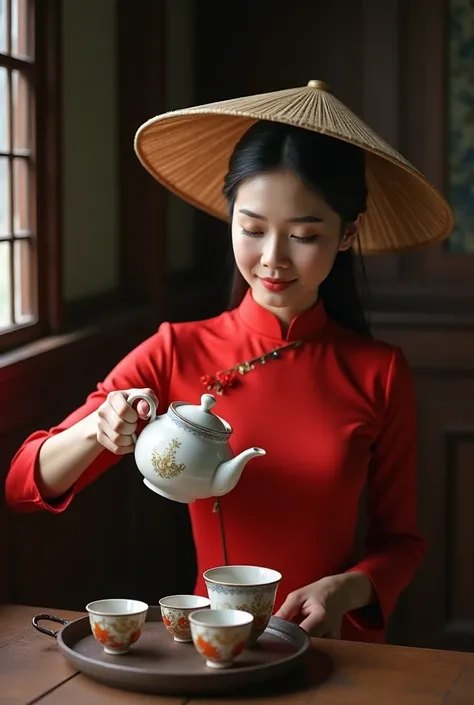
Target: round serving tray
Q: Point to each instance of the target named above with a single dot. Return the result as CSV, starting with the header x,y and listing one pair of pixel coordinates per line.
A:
x,y
158,664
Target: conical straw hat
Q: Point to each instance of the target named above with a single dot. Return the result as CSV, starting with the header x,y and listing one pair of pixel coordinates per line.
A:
x,y
188,152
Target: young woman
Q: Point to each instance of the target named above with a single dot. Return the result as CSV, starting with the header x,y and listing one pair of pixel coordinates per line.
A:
x,y
334,409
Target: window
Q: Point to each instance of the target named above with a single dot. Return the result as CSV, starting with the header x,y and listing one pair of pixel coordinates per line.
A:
x,y
28,158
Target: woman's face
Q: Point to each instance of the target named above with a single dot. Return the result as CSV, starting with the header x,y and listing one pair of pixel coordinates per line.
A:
x,y
285,240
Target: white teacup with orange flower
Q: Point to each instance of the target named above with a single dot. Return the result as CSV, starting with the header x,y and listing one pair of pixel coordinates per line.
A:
x,y
220,636
175,610
117,623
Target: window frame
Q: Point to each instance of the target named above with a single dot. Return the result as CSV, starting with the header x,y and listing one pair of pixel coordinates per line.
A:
x,y
45,193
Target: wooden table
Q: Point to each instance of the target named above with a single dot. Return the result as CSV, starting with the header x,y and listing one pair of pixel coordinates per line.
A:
x,y
32,670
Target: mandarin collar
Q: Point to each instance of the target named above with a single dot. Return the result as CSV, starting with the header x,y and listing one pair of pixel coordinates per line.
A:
x,y
306,324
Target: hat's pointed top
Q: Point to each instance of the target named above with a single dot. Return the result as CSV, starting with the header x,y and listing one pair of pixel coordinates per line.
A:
x,y
320,85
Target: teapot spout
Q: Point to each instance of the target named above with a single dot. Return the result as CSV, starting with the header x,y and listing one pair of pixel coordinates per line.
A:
x,y
228,473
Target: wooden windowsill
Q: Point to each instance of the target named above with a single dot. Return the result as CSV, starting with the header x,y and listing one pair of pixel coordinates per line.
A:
x,y
52,344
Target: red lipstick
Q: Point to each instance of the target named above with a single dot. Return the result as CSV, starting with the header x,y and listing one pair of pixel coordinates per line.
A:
x,y
276,284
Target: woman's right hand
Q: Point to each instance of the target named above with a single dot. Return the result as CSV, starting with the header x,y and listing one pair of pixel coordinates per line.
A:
x,y
117,420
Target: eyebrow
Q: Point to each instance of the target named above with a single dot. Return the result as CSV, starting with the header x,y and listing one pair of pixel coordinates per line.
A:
x,y
300,219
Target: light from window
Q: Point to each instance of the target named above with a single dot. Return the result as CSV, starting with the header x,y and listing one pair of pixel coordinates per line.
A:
x,y
18,295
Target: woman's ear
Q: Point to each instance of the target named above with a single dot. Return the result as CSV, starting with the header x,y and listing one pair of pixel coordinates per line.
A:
x,y
350,234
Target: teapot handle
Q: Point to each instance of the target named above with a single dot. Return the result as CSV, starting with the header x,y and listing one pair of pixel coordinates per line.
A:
x,y
138,395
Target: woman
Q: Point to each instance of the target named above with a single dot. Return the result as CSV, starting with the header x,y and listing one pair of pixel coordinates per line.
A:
x,y
334,409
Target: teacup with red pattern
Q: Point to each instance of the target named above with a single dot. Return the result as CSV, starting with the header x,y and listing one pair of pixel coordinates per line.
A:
x,y
220,636
117,623
175,610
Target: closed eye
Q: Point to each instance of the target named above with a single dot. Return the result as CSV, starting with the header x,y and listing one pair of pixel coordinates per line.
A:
x,y
307,239
258,233
251,233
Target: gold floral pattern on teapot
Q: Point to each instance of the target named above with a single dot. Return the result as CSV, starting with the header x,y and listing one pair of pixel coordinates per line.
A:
x,y
164,463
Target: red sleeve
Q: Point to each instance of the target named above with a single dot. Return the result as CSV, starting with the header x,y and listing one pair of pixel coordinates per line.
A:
x,y
148,365
393,546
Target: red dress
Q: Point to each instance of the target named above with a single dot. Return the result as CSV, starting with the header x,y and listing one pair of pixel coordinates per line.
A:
x,y
334,415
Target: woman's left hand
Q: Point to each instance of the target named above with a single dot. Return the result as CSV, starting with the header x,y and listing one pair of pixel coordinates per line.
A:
x,y
319,607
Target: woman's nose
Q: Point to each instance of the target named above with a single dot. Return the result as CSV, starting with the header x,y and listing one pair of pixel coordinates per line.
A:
x,y
274,253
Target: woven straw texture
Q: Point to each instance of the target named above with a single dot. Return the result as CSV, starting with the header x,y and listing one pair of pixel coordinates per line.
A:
x,y
188,151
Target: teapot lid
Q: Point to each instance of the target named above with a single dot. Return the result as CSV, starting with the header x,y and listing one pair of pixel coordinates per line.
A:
x,y
201,415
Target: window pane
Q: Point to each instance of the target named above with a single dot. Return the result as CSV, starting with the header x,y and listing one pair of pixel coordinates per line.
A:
x,y
4,110
5,318
21,113
3,26
21,219
24,282
21,29
460,107
4,197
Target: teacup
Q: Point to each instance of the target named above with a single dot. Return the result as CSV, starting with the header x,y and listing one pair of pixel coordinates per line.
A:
x,y
244,587
175,610
117,623
220,635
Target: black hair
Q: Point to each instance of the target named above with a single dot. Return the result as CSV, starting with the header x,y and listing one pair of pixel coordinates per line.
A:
x,y
333,169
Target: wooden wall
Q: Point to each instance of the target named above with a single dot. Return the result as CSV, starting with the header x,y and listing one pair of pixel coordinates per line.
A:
x,y
437,609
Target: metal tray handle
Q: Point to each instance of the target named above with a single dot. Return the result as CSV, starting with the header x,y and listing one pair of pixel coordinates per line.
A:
x,y
48,618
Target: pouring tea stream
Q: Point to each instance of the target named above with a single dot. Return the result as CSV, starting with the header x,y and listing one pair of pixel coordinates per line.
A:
x,y
185,454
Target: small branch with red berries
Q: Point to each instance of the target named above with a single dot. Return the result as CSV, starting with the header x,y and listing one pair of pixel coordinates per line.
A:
x,y
229,378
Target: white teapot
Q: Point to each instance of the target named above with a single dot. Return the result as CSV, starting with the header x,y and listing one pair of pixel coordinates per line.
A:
x,y
185,454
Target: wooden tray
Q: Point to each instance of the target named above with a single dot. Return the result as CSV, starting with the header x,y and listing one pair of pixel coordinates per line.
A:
x,y
158,664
